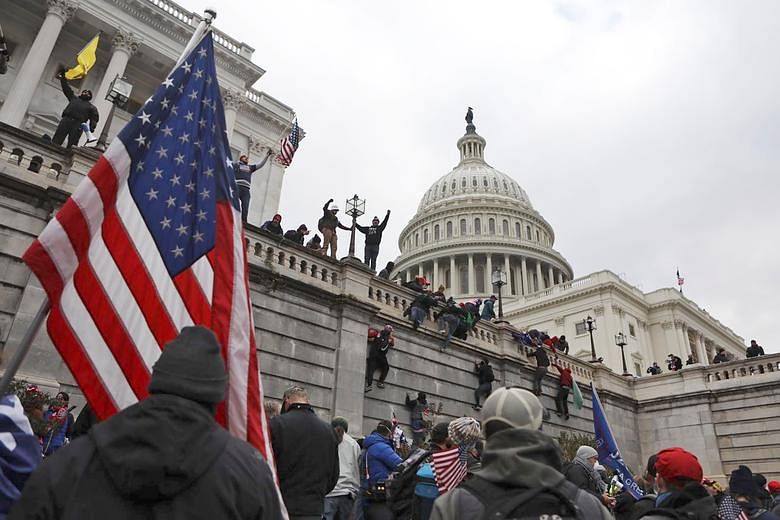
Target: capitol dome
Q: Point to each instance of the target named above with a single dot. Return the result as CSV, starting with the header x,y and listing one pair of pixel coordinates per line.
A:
x,y
476,220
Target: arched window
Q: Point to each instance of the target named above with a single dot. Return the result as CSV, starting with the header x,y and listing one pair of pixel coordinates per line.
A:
x,y
537,235
495,183
506,188
484,182
436,232
480,276
528,232
443,187
505,227
425,236
477,226
416,239
474,181
464,279
454,185
463,226
463,182
492,226
517,230
449,229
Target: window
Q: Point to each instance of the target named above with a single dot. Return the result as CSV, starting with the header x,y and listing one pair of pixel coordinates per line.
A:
x,y
492,226
631,330
416,239
495,184
484,182
464,280
580,328
454,185
436,232
480,275
474,181
537,235
506,188
528,232
449,229
505,227
477,226
517,230
425,236
638,369
463,182
463,226
443,187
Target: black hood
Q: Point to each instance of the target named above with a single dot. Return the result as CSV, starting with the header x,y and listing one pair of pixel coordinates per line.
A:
x,y
157,448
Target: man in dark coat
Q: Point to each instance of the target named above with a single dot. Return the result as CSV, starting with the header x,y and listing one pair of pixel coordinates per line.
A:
x,y
243,172
377,357
721,357
79,110
373,238
754,350
385,273
273,226
542,362
327,225
307,456
296,235
485,378
162,458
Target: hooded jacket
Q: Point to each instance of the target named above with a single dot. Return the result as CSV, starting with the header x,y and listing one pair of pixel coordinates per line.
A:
x,y
79,109
691,502
163,458
380,457
522,459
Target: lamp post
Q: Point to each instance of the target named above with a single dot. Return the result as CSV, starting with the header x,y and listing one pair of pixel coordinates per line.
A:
x,y
498,278
621,341
590,326
118,94
355,208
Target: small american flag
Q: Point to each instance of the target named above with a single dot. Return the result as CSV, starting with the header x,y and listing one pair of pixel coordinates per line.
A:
x,y
289,145
449,468
150,242
680,279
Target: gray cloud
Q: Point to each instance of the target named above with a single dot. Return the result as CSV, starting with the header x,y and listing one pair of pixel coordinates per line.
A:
x,y
646,133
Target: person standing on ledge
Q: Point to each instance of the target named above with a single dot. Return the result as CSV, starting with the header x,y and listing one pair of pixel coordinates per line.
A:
x,y
327,225
79,110
373,238
243,172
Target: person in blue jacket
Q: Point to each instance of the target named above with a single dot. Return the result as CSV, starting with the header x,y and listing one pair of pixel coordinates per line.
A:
x,y
20,452
380,461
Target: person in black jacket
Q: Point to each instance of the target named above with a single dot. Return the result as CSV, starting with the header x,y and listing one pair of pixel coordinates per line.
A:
x,y
419,308
79,110
485,377
243,172
373,238
754,350
385,273
377,357
307,458
297,234
164,457
542,362
327,226
721,357
273,226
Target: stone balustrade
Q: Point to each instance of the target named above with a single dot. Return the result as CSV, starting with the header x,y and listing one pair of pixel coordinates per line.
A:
x,y
31,153
744,368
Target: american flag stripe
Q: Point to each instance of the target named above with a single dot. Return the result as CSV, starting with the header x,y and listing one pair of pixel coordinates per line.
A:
x,y
448,469
122,283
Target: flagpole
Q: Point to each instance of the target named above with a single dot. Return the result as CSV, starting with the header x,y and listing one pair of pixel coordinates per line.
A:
x,y
204,26
24,346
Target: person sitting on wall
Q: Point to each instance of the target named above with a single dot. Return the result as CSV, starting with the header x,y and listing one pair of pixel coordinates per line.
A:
x,y
562,345
654,370
385,273
315,243
754,350
296,235
673,363
273,226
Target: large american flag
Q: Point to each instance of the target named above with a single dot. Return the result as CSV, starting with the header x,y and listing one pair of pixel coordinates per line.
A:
x,y
449,468
150,242
289,144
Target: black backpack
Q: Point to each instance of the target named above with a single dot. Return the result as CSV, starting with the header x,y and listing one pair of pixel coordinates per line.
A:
x,y
511,503
399,487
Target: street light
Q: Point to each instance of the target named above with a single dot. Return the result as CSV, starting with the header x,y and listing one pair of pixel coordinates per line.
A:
x,y
621,341
590,326
499,280
355,208
118,94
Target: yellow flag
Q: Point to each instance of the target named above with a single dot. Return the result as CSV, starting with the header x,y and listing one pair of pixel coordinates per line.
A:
x,y
85,59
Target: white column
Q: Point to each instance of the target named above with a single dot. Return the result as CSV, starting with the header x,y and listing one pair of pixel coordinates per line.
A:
x,y
419,269
453,278
409,275
471,274
123,46
560,276
29,76
233,101
550,276
435,282
508,274
489,273
524,273
539,280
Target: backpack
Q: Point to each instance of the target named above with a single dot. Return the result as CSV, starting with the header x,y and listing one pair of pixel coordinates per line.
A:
x,y
511,503
400,486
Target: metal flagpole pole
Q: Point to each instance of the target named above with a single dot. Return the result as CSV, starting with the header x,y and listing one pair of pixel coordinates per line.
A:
x,y
208,16
24,346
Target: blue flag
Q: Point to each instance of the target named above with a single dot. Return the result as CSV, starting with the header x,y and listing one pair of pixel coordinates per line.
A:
x,y
609,454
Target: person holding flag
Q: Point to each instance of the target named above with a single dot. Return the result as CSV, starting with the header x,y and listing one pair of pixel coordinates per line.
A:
x,y
78,110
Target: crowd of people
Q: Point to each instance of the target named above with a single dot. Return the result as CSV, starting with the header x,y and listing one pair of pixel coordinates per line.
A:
x,y
674,363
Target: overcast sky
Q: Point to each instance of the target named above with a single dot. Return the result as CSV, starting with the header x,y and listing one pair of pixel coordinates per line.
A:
x,y
646,133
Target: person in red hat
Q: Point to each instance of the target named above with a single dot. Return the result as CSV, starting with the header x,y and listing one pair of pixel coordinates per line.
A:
x,y
273,226
680,492
774,489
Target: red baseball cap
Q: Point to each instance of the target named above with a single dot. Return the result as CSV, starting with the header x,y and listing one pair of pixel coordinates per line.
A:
x,y
773,486
676,463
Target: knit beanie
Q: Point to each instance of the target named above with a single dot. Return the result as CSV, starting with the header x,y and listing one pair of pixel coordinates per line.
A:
x,y
464,430
742,483
191,367
586,452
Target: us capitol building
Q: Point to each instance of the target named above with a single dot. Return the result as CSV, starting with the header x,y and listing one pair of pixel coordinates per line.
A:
x,y
476,225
